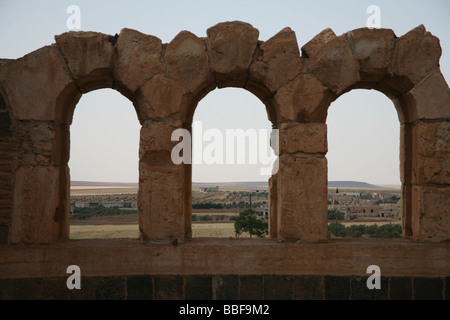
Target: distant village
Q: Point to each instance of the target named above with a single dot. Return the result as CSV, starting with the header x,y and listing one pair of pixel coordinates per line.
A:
x,y
373,203
352,204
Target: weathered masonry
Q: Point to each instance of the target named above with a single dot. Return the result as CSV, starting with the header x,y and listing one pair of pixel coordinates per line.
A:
x,y
165,82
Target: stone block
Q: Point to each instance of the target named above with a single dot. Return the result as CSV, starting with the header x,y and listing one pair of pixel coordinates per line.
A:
x,y
89,57
335,65
432,153
187,62
22,82
5,125
198,288
279,61
110,288
430,99
161,203
37,142
138,58
232,47
447,288
168,287
428,288
303,137
302,198
400,288
225,287
304,99
337,288
373,49
161,98
273,205
416,54
251,288
4,234
21,289
430,213
36,199
156,138
361,292
278,287
308,288
313,45
140,288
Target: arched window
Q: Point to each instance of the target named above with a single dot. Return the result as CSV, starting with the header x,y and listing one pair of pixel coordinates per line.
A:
x,y
363,156
232,161
104,143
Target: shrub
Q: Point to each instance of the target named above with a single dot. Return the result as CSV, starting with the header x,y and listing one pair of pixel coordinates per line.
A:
x,y
335,215
248,222
337,229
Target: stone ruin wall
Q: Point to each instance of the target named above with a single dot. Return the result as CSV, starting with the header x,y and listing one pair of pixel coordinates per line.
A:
x,y
165,82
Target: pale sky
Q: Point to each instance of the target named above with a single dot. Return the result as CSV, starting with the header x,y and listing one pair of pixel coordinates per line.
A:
x,y
363,127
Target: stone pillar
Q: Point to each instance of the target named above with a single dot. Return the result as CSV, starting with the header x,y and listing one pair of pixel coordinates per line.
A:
x,y
273,197
302,182
429,192
162,187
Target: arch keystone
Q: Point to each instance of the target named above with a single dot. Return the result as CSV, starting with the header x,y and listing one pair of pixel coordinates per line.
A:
x,y
187,62
373,50
335,65
232,46
89,57
416,54
138,59
279,61
310,48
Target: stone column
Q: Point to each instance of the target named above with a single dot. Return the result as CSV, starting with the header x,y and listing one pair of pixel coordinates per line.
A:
x,y
162,187
429,191
302,182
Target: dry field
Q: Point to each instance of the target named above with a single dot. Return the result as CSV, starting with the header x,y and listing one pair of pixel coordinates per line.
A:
x,y
214,230
93,190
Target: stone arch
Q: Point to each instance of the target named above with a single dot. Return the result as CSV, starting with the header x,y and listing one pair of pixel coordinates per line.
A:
x,y
403,69
165,83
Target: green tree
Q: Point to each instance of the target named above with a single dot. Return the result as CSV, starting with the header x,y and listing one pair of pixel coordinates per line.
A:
x,y
248,222
337,229
335,215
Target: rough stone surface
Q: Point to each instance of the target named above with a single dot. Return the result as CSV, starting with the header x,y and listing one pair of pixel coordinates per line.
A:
x,y
278,53
162,97
335,65
187,62
89,57
22,81
165,82
302,203
138,58
372,49
232,46
416,54
431,216
433,153
161,203
303,137
305,99
36,197
429,99
310,48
